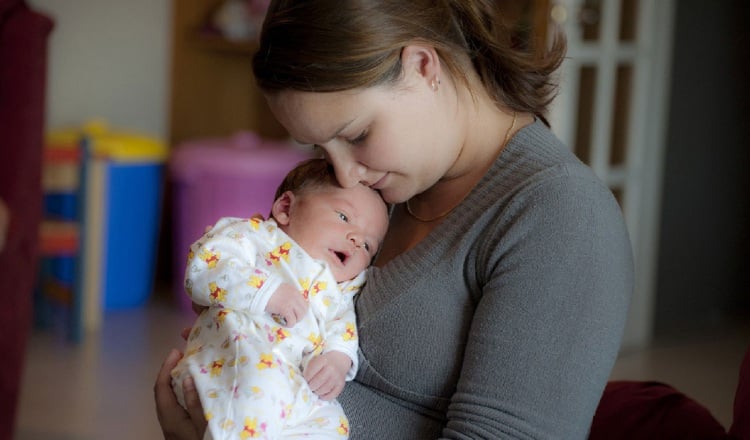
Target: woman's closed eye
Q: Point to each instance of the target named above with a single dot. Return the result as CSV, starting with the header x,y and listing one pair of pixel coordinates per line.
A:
x,y
359,139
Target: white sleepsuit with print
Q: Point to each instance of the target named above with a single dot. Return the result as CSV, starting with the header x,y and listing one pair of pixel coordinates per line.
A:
x,y
247,367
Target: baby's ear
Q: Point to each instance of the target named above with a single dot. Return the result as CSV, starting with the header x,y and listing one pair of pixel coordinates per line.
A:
x,y
281,207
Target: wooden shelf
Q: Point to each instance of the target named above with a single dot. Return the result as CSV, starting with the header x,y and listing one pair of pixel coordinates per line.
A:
x,y
213,92
215,42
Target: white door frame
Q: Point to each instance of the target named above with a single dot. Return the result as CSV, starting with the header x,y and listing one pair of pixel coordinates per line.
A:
x,y
639,178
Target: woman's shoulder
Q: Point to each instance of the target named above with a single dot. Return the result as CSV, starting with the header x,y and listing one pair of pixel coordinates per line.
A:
x,y
533,159
538,180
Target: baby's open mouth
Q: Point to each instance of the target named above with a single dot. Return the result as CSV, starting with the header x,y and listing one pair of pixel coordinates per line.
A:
x,y
340,255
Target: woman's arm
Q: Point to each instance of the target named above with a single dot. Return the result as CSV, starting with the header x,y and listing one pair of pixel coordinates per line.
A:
x,y
547,328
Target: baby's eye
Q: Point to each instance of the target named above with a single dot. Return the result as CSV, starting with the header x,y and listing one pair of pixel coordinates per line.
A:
x,y
343,217
366,246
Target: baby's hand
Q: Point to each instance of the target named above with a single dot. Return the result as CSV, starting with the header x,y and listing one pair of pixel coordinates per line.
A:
x,y
326,374
288,303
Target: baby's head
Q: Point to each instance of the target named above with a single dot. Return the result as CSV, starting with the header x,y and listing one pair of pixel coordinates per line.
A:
x,y
342,226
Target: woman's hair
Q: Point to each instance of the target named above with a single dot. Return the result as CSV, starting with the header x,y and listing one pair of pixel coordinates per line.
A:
x,y
334,45
308,174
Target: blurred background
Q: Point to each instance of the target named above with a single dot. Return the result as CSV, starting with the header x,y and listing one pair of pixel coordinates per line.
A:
x,y
136,119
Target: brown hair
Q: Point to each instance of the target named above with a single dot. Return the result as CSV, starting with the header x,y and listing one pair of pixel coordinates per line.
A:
x,y
310,173
330,45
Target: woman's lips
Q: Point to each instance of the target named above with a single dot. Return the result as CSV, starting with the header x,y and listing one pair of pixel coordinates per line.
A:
x,y
380,183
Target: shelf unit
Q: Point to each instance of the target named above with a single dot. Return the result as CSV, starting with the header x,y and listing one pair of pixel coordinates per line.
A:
x,y
213,92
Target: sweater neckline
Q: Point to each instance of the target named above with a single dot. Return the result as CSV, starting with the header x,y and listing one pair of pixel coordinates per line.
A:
x,y
424,252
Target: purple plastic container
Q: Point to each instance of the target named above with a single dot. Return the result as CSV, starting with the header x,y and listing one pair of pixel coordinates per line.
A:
x,y
213,178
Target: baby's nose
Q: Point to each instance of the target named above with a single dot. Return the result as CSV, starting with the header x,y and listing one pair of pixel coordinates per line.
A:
x,y
356,241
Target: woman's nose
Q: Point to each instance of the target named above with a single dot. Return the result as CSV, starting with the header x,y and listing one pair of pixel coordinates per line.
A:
x,y
348,172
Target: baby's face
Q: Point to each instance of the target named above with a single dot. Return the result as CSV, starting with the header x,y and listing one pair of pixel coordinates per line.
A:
x,y
342,226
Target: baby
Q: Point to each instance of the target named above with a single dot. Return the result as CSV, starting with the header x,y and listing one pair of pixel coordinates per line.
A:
x,y
279,338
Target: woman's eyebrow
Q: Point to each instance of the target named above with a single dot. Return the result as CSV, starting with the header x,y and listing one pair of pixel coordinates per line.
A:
x,y
338,132
332,137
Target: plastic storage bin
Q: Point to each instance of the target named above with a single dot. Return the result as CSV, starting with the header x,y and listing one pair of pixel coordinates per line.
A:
x,y
123,182
214,178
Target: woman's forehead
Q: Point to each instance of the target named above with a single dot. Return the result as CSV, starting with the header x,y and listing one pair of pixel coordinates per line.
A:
x,y
316,118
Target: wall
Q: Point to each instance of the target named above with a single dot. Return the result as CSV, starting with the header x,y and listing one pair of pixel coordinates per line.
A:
x,y
705,234
109,59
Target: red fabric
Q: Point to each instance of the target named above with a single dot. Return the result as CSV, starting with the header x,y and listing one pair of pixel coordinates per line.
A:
x,y
23,65
654,410
651,410
741,422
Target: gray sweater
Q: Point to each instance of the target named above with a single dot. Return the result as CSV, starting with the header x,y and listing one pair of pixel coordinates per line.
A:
x,y
506,320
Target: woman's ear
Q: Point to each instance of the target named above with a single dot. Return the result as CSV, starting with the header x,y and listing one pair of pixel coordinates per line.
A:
x,y
423,61
281,208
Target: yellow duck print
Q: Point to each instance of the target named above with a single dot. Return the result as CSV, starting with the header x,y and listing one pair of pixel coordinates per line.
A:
x,y
266,361
317,342
216,367
250,430
210,258
305,285
216,293
286,411
313,290
351,332
343,428
319,287
280,253
221,316
256,281
279,334
242,360
255,223
227,425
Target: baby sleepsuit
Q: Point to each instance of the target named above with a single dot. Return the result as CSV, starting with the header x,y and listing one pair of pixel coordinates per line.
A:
x,y
246,365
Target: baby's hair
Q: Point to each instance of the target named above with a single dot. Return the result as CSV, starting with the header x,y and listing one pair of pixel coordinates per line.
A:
x,y
310,173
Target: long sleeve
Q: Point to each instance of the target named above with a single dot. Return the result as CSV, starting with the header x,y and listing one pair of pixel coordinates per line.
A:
x,y
341,323
549,318
225,267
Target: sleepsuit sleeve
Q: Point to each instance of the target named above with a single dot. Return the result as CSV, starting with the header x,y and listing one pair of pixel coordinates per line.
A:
x,y
226,268
341,323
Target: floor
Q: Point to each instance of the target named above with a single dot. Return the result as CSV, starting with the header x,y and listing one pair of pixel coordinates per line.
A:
x,y
102,388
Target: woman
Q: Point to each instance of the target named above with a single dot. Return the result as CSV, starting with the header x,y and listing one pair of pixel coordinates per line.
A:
x,y
498,300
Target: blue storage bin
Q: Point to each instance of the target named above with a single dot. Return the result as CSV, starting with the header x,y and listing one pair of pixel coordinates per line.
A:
x,y
124,184
134,207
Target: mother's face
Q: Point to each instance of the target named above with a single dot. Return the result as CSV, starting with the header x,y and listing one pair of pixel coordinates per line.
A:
x,y
398,140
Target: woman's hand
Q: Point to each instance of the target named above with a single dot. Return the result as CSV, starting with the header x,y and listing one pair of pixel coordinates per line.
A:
x,y
177,423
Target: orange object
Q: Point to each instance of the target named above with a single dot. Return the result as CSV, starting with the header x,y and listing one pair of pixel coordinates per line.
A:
x,y
58,238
